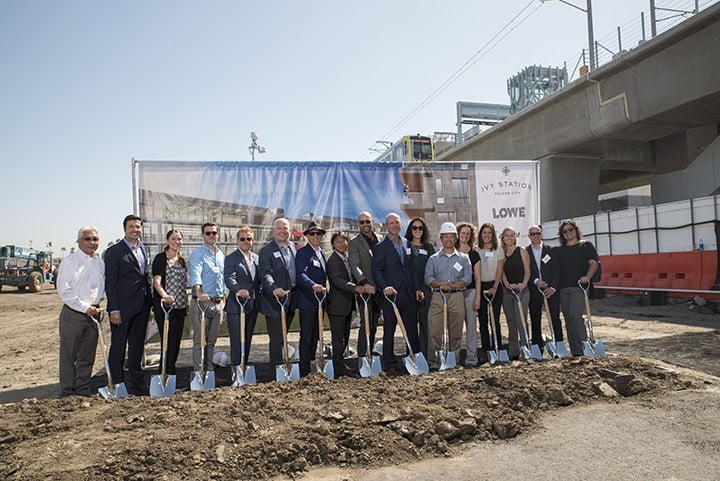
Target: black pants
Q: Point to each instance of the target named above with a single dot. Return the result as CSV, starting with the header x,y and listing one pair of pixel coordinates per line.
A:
x,y
340,331
131,334
275,346
486,341
175,331
423,309
536,318
309,335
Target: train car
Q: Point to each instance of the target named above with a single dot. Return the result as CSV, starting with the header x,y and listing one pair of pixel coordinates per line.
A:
x,y
410,148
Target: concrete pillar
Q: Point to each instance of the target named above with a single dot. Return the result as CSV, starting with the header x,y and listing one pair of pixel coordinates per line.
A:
x,y
568,187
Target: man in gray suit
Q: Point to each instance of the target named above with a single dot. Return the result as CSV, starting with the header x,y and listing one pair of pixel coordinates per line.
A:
x,y
360,257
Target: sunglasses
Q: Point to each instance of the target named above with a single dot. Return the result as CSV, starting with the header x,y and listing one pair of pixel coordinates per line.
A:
x,y
364,222
313,233
91,239
535,233
418,227
245,239
214,232
570,229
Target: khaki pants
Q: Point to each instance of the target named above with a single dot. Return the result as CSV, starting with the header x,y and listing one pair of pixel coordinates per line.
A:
x,y
456,320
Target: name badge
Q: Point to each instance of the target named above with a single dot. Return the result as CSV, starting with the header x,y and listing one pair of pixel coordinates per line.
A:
x,y
457,266
277,254
408,251
316,263
423,252
216,269
546,258
489,254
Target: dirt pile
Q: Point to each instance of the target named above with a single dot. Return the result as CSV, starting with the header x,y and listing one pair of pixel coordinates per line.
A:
x,y
260,431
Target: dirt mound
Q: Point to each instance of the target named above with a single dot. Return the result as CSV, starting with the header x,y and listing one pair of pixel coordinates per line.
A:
x,y
256,432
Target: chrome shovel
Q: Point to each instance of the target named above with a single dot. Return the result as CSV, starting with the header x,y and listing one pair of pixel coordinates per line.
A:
x,y
446,356
243,374
202,380
591,347
163,385
415,363
556,348
323,366
370,365
286,371
111,391
496,355
529,351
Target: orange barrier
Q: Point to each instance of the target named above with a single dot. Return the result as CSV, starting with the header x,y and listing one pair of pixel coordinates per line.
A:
x,y
673,270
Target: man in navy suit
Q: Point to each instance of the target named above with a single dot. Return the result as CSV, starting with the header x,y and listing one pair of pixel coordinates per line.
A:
x,y
543,275
311,269
276,268
128,287
393,276
243,282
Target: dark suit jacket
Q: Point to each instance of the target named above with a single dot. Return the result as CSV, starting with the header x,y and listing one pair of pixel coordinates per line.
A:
x,y
238,277
388,270
309,271
360,256
273,273
127,289
548,270
342,289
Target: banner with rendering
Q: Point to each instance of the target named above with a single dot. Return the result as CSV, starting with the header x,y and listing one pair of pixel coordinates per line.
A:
x,y
184,195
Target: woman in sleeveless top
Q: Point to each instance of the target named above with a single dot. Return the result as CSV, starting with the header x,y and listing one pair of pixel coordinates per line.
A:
x,y
488,273
516,274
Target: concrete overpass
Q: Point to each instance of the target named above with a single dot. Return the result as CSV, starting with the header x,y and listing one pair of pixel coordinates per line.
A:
x,y
651,116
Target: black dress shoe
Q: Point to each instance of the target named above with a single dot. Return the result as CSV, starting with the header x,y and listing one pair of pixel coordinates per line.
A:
x,y
138,390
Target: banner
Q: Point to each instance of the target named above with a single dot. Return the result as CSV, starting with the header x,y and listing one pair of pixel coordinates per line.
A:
x,y
184,195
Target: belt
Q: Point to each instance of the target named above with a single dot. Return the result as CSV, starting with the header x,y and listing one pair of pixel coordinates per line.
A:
x,y
79,312
451,291
214,300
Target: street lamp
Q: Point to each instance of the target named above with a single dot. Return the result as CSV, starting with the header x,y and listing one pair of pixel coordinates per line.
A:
x,y
255,146
591,36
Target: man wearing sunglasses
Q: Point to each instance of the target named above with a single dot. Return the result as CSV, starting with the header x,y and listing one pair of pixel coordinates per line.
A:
x,y
542,278
311,268
360,256
128,286
208,288
81,286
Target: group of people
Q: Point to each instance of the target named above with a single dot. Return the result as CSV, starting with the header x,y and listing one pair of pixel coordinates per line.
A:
x,y
400,273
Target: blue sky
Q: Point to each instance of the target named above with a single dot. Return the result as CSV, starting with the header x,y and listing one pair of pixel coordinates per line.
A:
x,y
88,85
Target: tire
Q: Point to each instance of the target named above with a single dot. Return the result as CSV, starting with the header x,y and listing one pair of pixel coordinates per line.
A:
x,y
36,283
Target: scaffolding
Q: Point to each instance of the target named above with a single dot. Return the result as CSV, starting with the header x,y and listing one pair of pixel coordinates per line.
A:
x,y
533,84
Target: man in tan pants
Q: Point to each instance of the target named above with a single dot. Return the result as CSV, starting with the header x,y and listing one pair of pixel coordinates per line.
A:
x,y
450,271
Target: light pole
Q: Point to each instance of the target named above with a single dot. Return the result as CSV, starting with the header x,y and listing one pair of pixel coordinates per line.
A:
x,y
255,146
591,35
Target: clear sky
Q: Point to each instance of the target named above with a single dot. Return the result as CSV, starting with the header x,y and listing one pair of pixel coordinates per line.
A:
x,y
86,85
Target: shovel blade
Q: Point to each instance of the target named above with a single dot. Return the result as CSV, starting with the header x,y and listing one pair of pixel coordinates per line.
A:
x,y
291,373
370,366
158,389
557,349
526,352
494,357
248,377
120,391
420,366
596,350
535,352
447,360
200,384
327,369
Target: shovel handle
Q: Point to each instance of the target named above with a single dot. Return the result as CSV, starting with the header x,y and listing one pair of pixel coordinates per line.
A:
x,y
110,385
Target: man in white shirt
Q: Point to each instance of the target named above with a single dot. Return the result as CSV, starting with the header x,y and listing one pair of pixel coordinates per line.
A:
x,y
81,286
